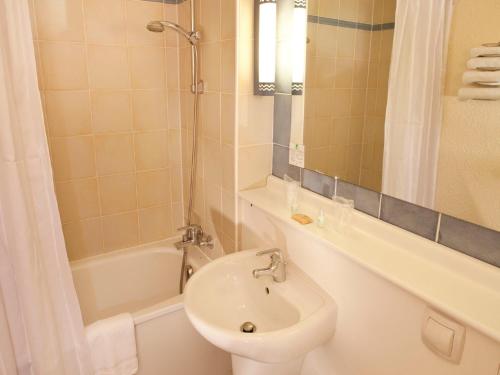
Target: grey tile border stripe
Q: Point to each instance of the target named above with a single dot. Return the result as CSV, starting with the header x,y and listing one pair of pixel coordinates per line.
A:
x,y
471,239
408,216
318,183
282,119
365,200
350,24
281,166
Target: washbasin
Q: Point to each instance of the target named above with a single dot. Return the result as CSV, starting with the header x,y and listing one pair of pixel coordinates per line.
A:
x,y
267,326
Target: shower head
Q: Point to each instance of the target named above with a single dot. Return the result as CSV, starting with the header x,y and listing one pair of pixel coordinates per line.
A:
x,y
160,26
156,27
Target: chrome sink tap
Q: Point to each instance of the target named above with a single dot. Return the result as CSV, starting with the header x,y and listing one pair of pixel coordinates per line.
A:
x,y
277,268
194,236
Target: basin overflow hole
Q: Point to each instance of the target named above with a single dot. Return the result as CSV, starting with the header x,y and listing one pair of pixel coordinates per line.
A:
x,y
267,290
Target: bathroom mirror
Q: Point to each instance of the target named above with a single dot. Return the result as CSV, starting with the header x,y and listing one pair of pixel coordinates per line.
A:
x,y
356,124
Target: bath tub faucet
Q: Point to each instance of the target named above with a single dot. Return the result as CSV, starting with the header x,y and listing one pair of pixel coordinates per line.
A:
x,y
194,236
277,268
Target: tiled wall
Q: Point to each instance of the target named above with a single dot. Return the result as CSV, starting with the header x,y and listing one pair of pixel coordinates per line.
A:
x,y
348,58
111,101
473,240
215,206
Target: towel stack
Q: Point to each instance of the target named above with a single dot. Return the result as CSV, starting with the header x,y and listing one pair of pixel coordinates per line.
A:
x,y
483,70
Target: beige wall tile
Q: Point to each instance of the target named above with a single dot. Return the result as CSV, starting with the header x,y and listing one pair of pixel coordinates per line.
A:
x,y
150,109
176,184
172,63
228,213
59,20
358,102
327,40
255,165
228,168
362,48
211,115
174,110
117,193
228,19
255,119
155,223
151,150
170,13
153,188
328,9
346,42
210,20
228,66
64,66
213,209
228,118
212,161
360,74
108,67
175,149
73,157
147,67
344,73
77,199
111,111
83,238
389,11
68,112
120,231
105,21
114,153
139,13
365,11
348,10
211,65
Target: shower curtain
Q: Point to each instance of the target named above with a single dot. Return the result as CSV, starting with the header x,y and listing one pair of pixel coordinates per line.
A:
x,y
414,104
41,330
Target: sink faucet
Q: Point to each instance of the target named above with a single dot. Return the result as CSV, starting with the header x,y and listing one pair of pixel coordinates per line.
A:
x,y
194,236
277,268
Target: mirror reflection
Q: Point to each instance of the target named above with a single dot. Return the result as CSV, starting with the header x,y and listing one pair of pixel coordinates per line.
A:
x,y
347,73
387,101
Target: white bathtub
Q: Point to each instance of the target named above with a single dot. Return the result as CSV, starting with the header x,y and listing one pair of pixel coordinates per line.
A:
x,y
145,282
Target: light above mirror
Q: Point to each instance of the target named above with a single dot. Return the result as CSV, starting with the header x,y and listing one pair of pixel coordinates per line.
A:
x,y
265,13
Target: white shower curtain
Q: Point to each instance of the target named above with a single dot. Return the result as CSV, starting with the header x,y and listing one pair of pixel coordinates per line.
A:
x,y
414,105
41,330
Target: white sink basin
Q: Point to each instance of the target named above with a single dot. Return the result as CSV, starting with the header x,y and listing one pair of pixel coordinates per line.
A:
x,y
291,317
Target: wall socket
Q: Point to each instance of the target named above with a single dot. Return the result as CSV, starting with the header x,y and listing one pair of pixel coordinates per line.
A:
x,y
297,155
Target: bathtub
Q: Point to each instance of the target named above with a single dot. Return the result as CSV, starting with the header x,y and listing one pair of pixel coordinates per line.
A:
x,y
144,281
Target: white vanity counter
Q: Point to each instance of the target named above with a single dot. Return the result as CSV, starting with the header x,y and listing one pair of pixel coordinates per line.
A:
x,y
461,286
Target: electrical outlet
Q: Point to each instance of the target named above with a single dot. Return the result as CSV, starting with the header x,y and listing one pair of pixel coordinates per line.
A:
x,y
297,155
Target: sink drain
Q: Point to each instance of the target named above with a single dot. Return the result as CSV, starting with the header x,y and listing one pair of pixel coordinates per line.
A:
x,y
248,327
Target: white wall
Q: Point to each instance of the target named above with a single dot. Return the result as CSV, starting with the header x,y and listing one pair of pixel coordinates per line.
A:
x,y
378,326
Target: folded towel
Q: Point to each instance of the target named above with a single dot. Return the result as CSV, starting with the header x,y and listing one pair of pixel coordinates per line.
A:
x,y
482,78
485,51
482,93
484,63
112,345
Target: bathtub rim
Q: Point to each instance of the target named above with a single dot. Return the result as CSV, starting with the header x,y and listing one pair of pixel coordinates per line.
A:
x,y
164,307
